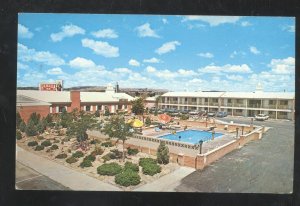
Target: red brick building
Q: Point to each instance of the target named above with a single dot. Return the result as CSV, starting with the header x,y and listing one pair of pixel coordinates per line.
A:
x,y
51,102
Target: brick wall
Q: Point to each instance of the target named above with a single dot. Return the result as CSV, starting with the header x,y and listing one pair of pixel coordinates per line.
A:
x,y
26,111
75,99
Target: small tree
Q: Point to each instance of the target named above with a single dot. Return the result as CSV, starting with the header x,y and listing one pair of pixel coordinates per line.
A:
x,y
97,113
18,120
22,126
118,128
106,112
41,126
31,129
35,118
148,121
81,134
138,106
163,153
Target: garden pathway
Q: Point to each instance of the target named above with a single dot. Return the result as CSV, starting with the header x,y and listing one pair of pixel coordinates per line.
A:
x,y
167,183
59,173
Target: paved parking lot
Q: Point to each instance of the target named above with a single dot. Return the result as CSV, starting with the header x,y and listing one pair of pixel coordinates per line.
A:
x,y
29,179
262,166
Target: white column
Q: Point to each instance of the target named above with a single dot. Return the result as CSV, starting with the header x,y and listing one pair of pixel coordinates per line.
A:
x,y
91,107
112,108
66,108
102,107
57,109
123,106
84,108
50,109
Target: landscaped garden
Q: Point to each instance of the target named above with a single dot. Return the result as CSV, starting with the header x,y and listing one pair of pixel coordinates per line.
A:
x,y
63,138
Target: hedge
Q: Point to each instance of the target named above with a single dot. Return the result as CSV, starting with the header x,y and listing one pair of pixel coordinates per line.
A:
x,y
109,169
90,158
54,147
95,141
78,154
148,160
40,138
71,160
85,163
32,144
39,148
131,166
151,169
56,141
107,144
127,178
132,151
61,156
97,151
46,143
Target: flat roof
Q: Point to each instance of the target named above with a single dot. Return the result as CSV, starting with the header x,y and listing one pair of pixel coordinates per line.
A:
x,y
240,95
27,101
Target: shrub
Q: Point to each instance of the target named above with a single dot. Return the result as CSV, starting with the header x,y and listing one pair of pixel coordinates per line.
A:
x,y
148,121
35,118
151,169
184,117
18,135
56,141
66,139
85,163
127,178
116,154
163,153
131,166
61,156
39,148
46,143
32,144
95,141
144,161
106,157
97,113
22,126
78,154
97,151
132,151
107,144
90,158
31,129
71,160
109,169
40,137
54,147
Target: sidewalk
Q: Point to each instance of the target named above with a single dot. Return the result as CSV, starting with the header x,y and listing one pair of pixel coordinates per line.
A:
x,y
167,183
61,174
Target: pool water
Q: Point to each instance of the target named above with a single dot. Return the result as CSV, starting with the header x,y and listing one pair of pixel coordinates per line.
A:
x,y
191,136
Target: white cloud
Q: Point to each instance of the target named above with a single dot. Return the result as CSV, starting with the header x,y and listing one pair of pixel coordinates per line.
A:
x,y
23,32
82,63
184,72
206,55
246,23
165,21
235,77
101,48
150,69
166,74
196,81
167,47
134,62
283,66
228,68
67,31
152,60
105,33
146,31
254,50
233,54
27,55
123,70
22,66
213,20
55,71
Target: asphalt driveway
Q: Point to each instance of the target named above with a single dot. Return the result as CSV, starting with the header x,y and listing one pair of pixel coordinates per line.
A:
x,y
262,166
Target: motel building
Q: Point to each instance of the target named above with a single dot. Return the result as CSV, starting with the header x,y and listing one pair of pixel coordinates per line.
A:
x,y
277,105
53,102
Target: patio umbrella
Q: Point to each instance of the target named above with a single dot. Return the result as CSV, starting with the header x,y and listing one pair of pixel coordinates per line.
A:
x,y
164,118
136,122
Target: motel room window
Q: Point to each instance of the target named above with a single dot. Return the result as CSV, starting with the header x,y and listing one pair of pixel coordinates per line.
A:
x,y
284,102
185,99
175,99
125,106
99,107
88,108
61,109
229,100
206,100
194,100
271,101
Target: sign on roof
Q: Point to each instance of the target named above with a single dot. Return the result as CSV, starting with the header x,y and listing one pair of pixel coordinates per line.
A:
x,y
57,86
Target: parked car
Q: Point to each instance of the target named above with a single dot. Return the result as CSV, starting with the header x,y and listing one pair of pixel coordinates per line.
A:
x,y
194,112
211,114
221,114
185,111
261,117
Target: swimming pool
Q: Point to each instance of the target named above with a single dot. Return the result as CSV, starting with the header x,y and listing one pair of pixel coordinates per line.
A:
x,y
191,136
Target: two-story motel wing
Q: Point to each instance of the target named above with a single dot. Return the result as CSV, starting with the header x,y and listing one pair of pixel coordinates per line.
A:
x,y
278,105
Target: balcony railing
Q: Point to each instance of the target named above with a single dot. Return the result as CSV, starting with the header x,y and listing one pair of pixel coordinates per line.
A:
x,y
239,105
214,104
173,102
283,107
254,106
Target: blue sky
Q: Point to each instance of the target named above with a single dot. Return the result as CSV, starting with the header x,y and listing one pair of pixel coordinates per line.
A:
x,y
179,53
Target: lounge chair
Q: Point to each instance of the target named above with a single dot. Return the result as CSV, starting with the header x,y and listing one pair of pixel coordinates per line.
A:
x,y
156,129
